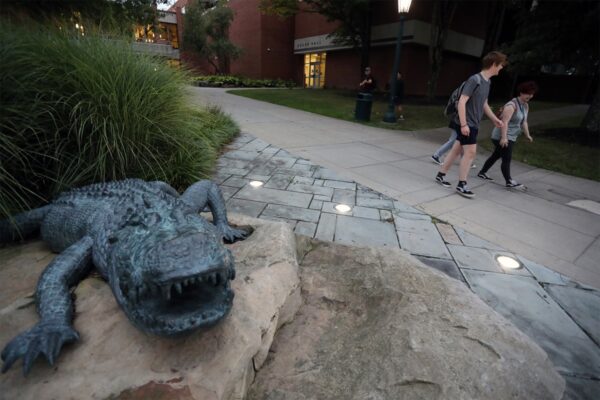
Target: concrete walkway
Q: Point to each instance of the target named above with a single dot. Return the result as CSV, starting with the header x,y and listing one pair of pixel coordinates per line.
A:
x,y
556,223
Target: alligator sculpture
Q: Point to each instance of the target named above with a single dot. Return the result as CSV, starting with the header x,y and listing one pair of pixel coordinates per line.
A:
x,y
166,265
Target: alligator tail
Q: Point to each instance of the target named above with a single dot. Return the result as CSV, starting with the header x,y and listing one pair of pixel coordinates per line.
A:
x,y
22,225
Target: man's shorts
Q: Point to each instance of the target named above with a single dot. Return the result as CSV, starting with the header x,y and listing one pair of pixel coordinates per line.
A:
x,y
463,139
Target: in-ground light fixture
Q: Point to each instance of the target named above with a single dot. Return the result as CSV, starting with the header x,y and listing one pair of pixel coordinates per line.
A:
x,y
343,208
256,184
507,262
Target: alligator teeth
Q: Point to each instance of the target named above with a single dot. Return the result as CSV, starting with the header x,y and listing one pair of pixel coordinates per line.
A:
x,y
186,282
166,292
178,288
213,279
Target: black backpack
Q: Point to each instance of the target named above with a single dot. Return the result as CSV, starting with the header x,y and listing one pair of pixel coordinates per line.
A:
x,y
451,110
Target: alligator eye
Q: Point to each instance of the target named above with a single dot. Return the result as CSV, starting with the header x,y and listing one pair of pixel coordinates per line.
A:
x,y
112,239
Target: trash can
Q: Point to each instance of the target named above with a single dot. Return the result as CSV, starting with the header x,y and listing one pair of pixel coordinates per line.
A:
x,y
364,101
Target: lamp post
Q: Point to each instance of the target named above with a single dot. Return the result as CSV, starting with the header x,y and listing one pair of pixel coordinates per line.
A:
x,y
390,114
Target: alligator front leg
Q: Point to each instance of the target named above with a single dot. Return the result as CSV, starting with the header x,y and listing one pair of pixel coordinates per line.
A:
x,y
55,307
22,225
208,193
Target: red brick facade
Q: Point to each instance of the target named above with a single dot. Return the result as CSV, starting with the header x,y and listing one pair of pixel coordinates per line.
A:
x,y
267,44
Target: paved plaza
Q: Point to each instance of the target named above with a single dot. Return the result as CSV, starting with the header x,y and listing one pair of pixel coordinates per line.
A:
x,y
556,223
558,313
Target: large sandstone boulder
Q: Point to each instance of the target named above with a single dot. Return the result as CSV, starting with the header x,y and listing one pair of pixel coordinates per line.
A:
x,y
375,324
115,360
378,324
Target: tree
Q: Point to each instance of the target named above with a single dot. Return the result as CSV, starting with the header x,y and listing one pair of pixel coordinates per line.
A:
x,y
119,15
354,17
207,33
441,18
562,33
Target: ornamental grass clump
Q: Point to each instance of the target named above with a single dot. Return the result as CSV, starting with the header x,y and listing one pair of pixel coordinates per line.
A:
x,y
76,110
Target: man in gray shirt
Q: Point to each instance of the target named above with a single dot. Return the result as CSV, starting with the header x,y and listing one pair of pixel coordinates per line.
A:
x,y
471,106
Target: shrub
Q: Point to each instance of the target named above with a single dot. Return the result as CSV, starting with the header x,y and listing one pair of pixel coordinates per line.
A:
x,y
235,81
80,110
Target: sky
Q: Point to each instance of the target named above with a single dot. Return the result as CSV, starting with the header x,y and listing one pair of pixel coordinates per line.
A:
x,y
165,6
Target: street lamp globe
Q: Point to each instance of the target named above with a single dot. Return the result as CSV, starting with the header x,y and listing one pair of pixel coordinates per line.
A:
x,y
404,6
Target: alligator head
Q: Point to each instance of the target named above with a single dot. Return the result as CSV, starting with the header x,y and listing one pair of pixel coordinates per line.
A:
x,y
171,276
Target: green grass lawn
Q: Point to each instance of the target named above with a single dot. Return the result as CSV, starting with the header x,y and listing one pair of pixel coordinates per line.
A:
x,y
555,154
340,104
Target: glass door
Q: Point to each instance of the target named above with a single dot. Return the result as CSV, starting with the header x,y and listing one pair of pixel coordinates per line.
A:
x,y
314,70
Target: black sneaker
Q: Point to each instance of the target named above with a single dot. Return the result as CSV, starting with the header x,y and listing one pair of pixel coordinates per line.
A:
x,y
440,179
484,176
515,185
436,159
464,191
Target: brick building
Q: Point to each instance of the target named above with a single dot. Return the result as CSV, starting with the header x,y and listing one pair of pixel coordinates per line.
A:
x,y
299,48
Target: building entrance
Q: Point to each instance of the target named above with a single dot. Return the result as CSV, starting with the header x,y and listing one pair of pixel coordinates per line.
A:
x,y
314,70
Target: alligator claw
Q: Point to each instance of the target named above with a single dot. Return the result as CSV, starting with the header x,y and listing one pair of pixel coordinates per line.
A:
x,y
231,234
46,338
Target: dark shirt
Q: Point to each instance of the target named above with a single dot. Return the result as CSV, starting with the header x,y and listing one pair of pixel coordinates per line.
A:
x,y
369,87
399,95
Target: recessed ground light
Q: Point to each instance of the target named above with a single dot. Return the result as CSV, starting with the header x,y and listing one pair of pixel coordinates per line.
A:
x,y
343,208
508,262
256,184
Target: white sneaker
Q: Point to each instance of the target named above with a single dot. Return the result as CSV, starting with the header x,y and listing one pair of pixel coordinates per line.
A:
x,y
515,185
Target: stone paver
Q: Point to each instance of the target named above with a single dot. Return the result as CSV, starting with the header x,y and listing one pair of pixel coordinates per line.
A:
x,y
365,212
375,203
474,241
345,196
279,181
305,228
474,258
297,213
340,185
448,234
582,305
267,195
236,182
366,232
539,301
326,227
525,303
246,207
304,188
428,243
543,274
448,267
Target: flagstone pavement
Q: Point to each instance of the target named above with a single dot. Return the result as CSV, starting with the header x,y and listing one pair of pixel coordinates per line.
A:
x,y
559,314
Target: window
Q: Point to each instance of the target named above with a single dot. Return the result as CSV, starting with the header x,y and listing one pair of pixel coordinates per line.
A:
x,y
314,70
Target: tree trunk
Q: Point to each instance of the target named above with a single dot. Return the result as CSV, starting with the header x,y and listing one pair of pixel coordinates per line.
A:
x,y
497,13
365,46
591,121
442,15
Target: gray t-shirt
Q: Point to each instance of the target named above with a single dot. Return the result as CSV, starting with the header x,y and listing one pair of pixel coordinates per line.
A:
x,y
478,89
514,127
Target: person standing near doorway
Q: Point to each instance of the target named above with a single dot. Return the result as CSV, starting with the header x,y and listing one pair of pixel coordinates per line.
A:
x,y
471,106
368,84
514,117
